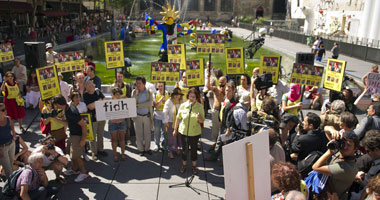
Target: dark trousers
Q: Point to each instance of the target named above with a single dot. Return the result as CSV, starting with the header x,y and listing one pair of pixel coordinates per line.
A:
x,y
189,142
335,57
43,193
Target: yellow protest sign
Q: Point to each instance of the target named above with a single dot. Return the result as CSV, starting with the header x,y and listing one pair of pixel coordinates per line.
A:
x,y
69,61
334,77
6,52
210,43
304,74
87,119
114,54
235,60
165,72
195,72
48,82
270,64
177,54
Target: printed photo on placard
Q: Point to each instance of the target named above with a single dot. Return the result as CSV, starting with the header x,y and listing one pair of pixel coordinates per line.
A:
x,y
304,74
210,43
270,64
6,52
235,60
69,61
48,82
334,77
177,54
114,54
195,72
165,72
87,119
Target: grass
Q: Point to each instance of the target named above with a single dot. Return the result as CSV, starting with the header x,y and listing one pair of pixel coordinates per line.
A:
x,y
144,51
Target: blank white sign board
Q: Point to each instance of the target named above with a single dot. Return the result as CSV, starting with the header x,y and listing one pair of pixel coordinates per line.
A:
x,y
235,167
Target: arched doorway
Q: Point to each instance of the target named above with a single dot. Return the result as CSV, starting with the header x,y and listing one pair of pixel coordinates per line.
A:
x,y
259,12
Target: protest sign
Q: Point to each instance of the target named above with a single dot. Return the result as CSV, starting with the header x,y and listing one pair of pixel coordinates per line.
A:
x,y
69,61
250,171
114,54
334,77
6,52
271,65
165,72
115,109
87,119
373,83
177,54
48,82
210,43
235,60
304,74
195,72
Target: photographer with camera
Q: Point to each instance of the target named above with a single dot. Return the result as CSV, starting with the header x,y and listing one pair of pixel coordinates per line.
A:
x,y
331,117
341,168
53,158
259,90
267,117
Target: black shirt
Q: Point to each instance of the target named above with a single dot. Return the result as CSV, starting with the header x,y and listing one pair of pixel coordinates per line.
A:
x,y
91,98
320,52
73,117
96,80
313,140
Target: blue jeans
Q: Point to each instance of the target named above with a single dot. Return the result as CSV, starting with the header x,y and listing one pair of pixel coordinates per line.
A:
x,y
318,59
159,129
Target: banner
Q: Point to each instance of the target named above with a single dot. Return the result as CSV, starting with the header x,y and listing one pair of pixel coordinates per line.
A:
x,y
334,77
304,74
48,82
6,52
165,72
195,73
270,64
373,83
210,43
87,119
114,54
115,109
177,54
235,60
69,61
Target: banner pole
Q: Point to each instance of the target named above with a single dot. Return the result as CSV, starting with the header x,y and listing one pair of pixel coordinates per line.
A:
x,y
250,171
302,91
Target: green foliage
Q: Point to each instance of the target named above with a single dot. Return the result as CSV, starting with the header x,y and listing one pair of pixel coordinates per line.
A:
x,y
244,19
261,20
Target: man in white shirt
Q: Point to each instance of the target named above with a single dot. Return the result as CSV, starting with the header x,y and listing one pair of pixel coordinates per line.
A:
x,y
65,87
20,72
276,91
49,54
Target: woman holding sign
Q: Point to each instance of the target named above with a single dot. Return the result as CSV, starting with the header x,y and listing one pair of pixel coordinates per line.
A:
x,y
188,123
11,92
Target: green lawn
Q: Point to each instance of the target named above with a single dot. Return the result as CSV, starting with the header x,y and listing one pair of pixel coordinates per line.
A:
x,y
143,51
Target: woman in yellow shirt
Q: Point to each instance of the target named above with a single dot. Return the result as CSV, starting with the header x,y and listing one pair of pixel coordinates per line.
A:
x,y
188,124
291,101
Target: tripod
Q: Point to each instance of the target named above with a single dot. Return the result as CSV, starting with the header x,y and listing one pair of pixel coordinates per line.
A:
x,y
188,180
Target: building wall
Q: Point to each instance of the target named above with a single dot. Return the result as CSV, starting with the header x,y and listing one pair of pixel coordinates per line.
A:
x,y
248,7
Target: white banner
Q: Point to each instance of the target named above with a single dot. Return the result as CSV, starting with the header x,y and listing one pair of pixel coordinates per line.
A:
x,y
373,83
115,109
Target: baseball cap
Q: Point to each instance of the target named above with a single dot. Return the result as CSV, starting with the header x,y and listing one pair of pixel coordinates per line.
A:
x,y
49,45
287,117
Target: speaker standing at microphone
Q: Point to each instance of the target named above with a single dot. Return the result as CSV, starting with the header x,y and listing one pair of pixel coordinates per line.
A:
x,y
188,124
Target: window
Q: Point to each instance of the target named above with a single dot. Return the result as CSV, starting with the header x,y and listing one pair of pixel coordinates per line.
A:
x,y
209,5
192,5
226,5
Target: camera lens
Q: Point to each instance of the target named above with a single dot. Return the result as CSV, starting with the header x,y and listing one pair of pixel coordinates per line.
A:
x,y
333,145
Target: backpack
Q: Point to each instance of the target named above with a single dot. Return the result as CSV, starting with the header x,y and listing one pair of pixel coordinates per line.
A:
x,y
236,131
9,188
305,166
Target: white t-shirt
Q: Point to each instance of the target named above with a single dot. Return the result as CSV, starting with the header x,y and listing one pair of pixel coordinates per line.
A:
x,y
151,87
241,91
48,160
276,91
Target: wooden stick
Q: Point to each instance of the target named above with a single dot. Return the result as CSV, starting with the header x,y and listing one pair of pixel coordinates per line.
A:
x,y
250,170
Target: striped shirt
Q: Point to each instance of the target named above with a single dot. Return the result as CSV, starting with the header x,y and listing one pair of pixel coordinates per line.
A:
x,y
28,176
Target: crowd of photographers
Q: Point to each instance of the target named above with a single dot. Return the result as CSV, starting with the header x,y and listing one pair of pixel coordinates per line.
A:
x,y
326,156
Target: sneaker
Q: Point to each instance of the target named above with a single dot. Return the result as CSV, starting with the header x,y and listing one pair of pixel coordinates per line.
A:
x,y
102,153
70,172
149,152
85,157
81,177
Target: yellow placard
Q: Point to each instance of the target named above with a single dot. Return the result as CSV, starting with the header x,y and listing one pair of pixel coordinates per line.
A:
x,y
177,54
165,72
334,77
210,43
304,74
48,82
87,119
69,61
114,54
195,72
235,60
270,64
6,52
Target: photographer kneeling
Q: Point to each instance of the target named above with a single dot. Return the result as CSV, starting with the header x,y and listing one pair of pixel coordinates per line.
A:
x,y
53,158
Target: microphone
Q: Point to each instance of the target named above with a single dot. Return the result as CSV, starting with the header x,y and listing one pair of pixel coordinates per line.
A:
x,y
191,107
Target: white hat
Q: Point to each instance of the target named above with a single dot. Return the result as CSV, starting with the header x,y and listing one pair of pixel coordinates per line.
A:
x,y
245,98
49,45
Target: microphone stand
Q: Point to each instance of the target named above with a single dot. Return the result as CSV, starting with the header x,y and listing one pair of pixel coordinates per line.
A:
x,y
188,180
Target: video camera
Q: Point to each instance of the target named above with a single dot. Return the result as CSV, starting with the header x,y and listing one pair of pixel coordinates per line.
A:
x,y
256,120
336,144
264,81
53,113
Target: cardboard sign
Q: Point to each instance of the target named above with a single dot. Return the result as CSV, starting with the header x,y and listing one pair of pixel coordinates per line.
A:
x,y
87,119
115,109
304,74
210,43
373,83
165,72
235,60
270,64
195,73
177,54
69,61
334,77
114,54
236,170
6,52
48,82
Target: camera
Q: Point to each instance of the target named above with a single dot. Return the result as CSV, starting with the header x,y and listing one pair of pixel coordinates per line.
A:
x,y
336,144
50,146
347,78
53,113
264,81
